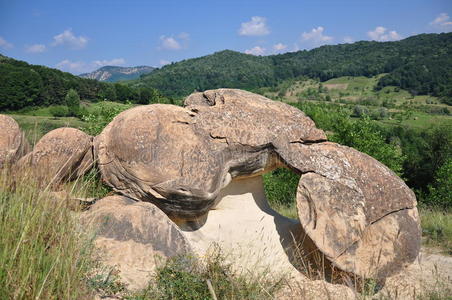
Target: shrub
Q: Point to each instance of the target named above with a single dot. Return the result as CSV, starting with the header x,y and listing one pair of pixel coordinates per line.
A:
x,y
360,111
97,120
72,100
440,192
59,111
281,187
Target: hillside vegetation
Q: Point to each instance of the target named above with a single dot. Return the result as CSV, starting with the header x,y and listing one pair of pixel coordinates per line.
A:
x,y
23,85
421,64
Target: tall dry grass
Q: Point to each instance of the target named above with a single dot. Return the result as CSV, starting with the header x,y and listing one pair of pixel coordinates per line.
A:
x,y
43,254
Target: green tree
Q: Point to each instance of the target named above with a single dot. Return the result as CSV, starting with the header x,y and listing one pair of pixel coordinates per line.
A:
x,y
110,94
146,96
440,192
365,136
73,102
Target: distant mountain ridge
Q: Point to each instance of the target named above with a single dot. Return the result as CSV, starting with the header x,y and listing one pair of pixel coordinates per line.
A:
x,y
115,73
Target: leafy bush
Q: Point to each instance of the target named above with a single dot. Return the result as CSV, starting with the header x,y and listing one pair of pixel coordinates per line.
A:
x,y
366,136
59,111
440,192
72,100
97,120
363,134
360,111
281,187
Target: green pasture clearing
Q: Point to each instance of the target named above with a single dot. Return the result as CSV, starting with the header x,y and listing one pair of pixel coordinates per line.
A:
x,y
36,126
419,120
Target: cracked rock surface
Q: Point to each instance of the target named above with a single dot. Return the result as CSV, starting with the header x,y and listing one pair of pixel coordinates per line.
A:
x,y
359,213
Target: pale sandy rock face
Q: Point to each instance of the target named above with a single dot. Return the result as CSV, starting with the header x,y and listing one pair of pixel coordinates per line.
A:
x,y
134,237
61,154
257,240
13,144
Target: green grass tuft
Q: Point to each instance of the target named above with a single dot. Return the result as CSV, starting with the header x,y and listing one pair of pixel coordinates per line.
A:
x,y
437,228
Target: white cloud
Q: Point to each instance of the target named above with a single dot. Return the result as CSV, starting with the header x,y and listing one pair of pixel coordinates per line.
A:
x,y
382,34
67,38
316,36
442,22
170,43
348,40
78,67
5,44
164,62
174,43
279,47
72,66
256,27
112,62
255,51
36,48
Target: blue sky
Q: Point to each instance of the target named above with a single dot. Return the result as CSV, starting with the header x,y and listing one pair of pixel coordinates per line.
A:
x,y
80,36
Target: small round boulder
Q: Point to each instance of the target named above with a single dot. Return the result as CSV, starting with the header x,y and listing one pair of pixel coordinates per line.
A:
x,y
13,144
62,154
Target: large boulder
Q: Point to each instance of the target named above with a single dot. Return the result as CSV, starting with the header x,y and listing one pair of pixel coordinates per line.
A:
x,y
358,213
180,158
13,144
151,153
62,154
134,237
354,210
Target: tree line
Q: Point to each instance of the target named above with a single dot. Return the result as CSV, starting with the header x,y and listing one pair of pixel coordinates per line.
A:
x,y
25,85
421,64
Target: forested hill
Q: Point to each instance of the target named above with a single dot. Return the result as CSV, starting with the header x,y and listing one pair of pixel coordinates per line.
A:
x,y
22,85
421,64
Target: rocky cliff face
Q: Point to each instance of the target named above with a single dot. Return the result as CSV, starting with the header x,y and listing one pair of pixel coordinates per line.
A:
x,y
114,74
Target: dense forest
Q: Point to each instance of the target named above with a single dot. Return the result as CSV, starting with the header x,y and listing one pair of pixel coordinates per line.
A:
x,y
421,64
25,85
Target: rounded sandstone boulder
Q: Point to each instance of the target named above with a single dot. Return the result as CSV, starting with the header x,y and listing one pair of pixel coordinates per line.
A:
x,y
13,144
135,237
62,154
358,213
